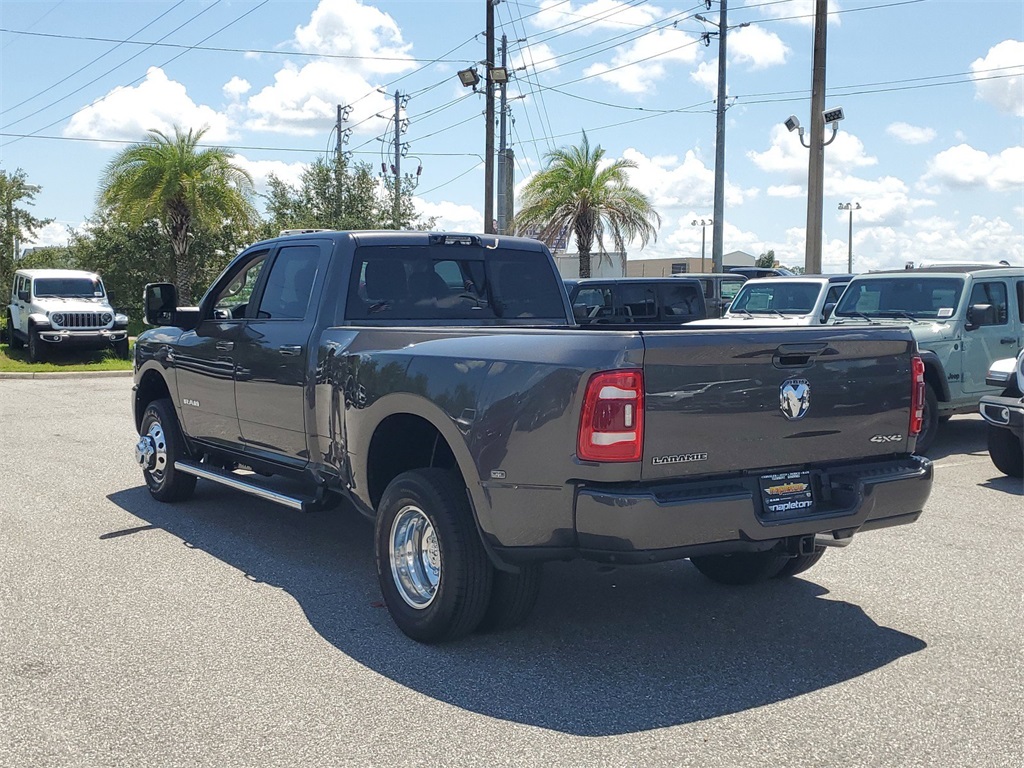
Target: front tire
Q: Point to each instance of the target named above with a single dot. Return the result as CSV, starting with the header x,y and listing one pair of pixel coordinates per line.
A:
x,y
741,567
433,571
930,422
121,349
1006,451
160,445
36,347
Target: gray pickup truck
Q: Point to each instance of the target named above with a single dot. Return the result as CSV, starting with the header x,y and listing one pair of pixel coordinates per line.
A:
x,y
439,383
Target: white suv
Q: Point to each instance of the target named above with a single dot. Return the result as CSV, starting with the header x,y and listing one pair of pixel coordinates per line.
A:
x,y
784,301
65,307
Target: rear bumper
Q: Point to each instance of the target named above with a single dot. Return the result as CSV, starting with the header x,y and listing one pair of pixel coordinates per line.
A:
x,y
664,522
1005,412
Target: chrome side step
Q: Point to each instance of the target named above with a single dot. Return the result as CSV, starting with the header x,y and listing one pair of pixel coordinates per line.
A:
x,y
233,481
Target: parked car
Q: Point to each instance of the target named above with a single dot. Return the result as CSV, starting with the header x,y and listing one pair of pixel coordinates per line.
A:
x,y
781,301
963,318
68,308
439,383
719,289
1005,415
754,272
636,300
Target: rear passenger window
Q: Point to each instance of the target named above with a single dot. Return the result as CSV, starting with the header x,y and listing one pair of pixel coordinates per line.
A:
x,y
637,302
681,301
286,295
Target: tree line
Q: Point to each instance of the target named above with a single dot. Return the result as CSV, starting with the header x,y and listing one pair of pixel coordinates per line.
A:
x,y
170,209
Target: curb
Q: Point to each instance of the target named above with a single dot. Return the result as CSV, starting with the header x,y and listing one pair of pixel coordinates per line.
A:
x,y
65,375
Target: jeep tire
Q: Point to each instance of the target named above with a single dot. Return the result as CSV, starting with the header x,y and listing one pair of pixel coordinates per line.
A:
x,y
12,339
36,346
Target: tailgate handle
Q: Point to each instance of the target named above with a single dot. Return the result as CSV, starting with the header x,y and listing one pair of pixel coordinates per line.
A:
x,y
798,355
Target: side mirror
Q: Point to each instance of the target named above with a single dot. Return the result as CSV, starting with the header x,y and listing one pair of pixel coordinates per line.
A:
x,y
827,311
979,315
110,298
160,302
23,296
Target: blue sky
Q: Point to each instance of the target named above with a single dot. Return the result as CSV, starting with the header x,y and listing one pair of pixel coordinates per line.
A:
x,y
932,146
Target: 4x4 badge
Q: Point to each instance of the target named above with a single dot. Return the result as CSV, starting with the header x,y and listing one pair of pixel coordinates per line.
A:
x,y
795,398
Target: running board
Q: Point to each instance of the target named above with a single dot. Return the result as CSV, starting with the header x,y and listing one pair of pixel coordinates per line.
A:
x,y
233,481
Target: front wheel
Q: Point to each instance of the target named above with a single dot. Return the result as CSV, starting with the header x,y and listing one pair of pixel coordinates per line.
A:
x,y
121,349
433,571
1006,451
160,445
741,567
36,347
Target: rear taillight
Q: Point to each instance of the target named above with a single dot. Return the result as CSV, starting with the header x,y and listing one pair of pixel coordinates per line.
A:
x,y
916,396
612,421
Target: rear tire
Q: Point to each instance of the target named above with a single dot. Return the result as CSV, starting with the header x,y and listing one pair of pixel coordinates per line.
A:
x,y
12,340
513,596
800,563
433,571
741,567
160,425
930,422
1006,451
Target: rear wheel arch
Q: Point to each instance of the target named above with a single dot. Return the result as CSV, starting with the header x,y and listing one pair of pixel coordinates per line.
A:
x,y
402,442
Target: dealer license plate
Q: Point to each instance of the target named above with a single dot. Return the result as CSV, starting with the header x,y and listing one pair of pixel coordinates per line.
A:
x,y
788,494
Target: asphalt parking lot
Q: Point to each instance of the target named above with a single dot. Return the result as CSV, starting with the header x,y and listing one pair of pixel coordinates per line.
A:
x,y
227,631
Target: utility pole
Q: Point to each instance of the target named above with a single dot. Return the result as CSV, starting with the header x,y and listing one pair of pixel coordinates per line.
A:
x,y
398,163
816,164
489,119
851,207
718,226
505,184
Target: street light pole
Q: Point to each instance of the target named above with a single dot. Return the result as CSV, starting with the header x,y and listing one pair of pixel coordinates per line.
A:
x,y
703,224
851,207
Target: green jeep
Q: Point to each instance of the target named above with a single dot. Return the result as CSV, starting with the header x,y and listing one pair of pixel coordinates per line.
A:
x,y
963,317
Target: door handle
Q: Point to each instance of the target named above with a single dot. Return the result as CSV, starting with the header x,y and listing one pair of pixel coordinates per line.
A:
x,y
1008,340
290,349
225,346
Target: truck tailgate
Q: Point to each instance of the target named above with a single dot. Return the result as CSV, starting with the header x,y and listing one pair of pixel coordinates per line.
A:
x,y
723,401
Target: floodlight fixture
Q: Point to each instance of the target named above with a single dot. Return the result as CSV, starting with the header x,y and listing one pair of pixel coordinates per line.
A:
x,y
792,123
469,77
833,115
499,75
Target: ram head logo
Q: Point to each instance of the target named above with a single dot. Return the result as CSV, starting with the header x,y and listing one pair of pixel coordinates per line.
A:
x,y
795,398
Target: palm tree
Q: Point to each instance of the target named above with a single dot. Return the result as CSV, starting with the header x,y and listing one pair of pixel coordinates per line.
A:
x,y
579,192
181,186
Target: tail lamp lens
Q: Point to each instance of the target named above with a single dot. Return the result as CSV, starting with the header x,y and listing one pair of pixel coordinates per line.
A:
x,y
612,421
917,395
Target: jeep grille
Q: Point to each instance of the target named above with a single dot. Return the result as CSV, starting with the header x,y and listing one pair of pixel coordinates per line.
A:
x,y
81,319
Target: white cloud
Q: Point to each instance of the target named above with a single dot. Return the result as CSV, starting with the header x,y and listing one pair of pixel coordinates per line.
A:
x,y
757,47
637,68
910,134
260,170
157,103
963,166
537,57
303,101
236,87
796,11
706,76
788,156
54,233
347,27
451,217
991,83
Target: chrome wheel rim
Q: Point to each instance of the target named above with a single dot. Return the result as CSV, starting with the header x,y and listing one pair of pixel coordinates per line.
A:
x,y
415,557
151,451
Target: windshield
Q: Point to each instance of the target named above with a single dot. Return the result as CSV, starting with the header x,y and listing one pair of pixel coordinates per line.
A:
x,y
68,287
776,298
916,297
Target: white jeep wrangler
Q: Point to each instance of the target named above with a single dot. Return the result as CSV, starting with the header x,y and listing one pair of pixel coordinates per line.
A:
x,y
63,307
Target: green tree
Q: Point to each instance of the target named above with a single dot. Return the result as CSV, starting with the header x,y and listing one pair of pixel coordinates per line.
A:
x,y
186,189
333,195
766,260
16,223
590,197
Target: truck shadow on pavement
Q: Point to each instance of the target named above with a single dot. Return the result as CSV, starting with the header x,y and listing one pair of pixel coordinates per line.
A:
x,y
607,650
